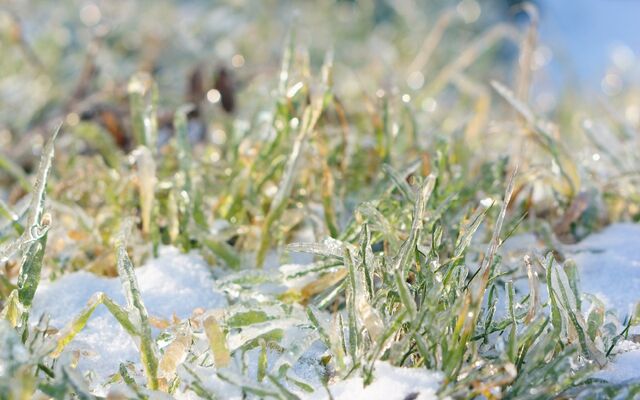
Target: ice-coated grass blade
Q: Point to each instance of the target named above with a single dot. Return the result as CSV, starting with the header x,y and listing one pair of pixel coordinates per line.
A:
x,y
122,315
401,261
556,317
534,287
468,230
217,342
560,281
182,142
34,229
495,240
324,335
309,119
405,295
279,203
512,341
369,262
138,312
143,98
146,176
30,269
402,184
247,385
220,249
328,187
560,155
352,293
67,334
172,356
571,269
34,238
183,198
12,310
262,361
329,247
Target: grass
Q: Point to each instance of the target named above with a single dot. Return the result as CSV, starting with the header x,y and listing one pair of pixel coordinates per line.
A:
x,y
414,202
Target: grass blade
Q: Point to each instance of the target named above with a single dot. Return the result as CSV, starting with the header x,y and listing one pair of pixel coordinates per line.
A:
x,y
135,305
217,342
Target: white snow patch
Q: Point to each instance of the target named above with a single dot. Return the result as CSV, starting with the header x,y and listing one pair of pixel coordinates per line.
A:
x,y
609,265
625,364
623,368
389,383
173,283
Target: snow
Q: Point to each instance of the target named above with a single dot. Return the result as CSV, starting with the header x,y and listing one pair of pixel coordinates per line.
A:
x,y
389,383
172,284
624,368
609,263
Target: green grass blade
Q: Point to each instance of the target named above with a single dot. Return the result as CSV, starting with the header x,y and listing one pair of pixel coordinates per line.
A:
x,y
135,305
35,226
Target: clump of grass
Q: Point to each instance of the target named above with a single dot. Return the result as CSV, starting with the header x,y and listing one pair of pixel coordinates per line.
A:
x,y
408,215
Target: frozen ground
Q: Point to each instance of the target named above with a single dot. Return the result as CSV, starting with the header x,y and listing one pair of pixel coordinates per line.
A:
x,y
177,284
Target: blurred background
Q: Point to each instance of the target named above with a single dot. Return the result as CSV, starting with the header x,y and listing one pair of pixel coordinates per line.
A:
x,y
478,85
588,44
72,60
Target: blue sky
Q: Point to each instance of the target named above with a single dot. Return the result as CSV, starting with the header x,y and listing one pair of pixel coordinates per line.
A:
x,y
582,33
